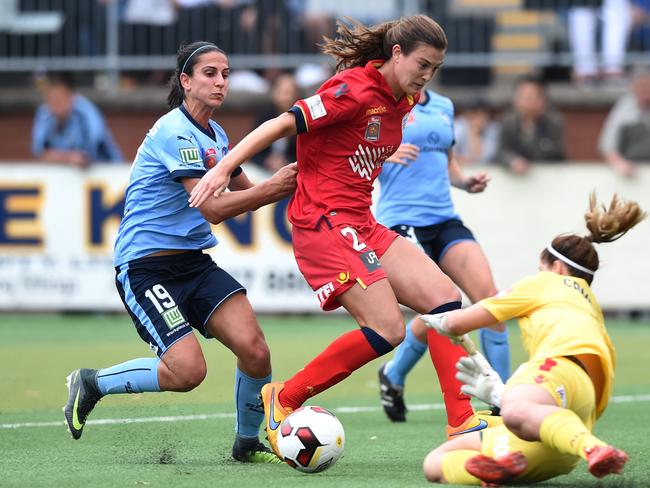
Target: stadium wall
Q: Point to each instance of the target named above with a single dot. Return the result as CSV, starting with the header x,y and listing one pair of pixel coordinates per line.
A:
x,y
131,115
57,228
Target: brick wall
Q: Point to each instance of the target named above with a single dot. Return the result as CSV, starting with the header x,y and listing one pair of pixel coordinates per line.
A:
x,y
129,127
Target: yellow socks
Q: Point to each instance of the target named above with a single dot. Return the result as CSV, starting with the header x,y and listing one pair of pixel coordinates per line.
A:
x,y
564,431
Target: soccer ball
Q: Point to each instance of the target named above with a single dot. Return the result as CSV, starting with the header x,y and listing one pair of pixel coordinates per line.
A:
x,y
311,439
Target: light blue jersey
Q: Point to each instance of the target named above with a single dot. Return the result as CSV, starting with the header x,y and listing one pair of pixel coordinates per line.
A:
x,y
157,215
419,194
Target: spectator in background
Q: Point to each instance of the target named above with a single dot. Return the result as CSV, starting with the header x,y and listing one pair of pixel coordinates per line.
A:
x,y
625,138
284,92
616,17
69,129
640,31
530,132
476,134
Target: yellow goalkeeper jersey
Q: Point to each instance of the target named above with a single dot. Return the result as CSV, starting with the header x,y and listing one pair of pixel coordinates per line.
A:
x,y
559,316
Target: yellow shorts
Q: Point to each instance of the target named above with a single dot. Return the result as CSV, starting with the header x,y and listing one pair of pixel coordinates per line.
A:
x,y
572,389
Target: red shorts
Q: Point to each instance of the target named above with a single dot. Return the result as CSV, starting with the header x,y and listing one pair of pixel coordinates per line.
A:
x,y
333,257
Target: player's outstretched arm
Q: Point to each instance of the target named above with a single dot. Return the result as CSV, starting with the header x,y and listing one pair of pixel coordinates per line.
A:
x,y
233,203
215,181
459,322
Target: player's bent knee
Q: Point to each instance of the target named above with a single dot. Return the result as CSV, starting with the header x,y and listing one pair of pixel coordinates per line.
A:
x,y
437,298
432,468
514,417
394,334
191,377
256,358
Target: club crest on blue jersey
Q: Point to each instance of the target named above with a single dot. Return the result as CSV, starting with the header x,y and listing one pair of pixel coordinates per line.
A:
x,y
373,129
210,158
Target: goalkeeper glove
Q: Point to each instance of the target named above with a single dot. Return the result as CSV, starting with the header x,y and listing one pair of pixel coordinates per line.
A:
x,y
437,323
479,379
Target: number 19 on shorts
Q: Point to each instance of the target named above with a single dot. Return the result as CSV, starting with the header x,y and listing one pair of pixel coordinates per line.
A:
x,y
165,305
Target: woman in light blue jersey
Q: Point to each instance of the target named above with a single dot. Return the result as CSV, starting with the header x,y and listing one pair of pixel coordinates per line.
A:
x,y
415,201
168,285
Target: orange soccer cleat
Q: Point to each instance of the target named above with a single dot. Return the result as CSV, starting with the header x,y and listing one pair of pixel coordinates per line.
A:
x,y
479,421
497,471
604,460
274,413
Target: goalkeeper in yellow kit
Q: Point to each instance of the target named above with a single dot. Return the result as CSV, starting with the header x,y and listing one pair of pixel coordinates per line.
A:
x,y
552,401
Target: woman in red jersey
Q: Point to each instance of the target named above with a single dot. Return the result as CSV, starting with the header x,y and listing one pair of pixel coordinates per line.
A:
x,y
345,133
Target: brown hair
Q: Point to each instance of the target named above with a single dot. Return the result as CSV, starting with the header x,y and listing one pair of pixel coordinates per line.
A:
x,y
604,225
186,58
357,44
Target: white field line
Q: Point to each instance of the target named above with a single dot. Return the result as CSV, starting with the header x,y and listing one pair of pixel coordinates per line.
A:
x,y
212,416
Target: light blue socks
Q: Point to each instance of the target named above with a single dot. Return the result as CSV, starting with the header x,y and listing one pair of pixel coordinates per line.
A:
x,y
249,412
135,376
406,355
497,351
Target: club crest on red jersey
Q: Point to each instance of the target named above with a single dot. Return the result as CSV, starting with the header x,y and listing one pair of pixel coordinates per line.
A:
x,y
373,129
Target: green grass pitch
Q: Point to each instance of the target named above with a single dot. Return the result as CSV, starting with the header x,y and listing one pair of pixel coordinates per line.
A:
x,y
186,438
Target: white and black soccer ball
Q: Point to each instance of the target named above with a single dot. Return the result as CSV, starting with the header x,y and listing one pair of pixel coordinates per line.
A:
x,y
311,439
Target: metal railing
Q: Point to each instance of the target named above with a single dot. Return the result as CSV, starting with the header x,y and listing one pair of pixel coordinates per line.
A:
x,y
108,35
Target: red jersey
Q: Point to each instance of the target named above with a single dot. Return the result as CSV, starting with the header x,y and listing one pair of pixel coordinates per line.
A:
x,y
345,133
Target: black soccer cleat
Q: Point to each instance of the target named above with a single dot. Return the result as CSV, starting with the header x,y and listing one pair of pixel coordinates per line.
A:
x,y
253,452
392,398
82,397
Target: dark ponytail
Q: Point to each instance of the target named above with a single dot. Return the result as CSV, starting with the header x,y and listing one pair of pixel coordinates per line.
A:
x,y
356,44
604,225
186,58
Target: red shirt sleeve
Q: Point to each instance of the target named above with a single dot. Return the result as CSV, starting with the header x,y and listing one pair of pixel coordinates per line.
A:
x,y
329,106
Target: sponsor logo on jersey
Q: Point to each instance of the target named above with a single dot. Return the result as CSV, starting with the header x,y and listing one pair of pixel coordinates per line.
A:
x,y
210,158
183,138
173,317
548,364
343,277
370,260
324,292
366,159
433,137
316,107
373,129
190,155
376,110
342,90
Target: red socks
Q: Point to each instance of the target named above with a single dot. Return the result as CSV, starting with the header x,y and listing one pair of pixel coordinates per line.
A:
x,y
444,355
343,356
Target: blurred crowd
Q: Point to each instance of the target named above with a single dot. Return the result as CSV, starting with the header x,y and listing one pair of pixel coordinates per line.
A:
x,y
69,129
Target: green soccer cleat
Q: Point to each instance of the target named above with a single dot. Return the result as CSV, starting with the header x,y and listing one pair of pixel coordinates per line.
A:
x,y
257,453
82,398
